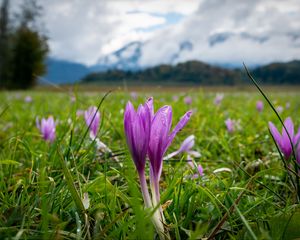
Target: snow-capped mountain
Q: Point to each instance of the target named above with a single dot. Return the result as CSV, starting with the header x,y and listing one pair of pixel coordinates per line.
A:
x,y
126,58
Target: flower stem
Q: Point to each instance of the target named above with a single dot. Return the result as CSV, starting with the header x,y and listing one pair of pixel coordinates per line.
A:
x,y
144,189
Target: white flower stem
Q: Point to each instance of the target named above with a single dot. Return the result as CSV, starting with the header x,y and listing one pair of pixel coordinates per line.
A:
x,y
144,189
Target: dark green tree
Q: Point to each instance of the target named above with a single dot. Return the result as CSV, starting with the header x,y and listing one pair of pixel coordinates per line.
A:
x,y
29,49
24,48
4,43
28,55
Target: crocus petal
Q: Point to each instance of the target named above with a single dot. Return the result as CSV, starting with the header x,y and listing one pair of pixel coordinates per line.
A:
x,y
37,123
172,154
296,140
150,106
182,122
288,123
128,119
187,144
298,154
160,126
276,135
195,154
137,130
286,140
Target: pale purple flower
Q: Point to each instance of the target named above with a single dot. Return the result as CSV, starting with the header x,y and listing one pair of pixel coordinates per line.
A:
x,y
259,106
92,120
161,138
218,99
47,128
230,125
186,147
188,100
283,140
287,105
28,99
279,109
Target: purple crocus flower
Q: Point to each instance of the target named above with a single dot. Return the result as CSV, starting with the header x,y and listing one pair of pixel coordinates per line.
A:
x,y
137,126
149,133
218,99
259,106
188,100
229,125
160,140
283,140
92,120
47,128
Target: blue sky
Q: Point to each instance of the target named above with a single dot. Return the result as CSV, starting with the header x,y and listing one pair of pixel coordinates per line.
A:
x,y
219,31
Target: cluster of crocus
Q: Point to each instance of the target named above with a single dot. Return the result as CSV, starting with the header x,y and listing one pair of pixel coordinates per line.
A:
x,y
47,128
288,140
148,134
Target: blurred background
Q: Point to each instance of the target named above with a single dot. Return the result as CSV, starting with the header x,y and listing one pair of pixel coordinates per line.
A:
x,y
148,43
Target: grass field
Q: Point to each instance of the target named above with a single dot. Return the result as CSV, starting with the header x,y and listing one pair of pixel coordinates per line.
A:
x,y
69,189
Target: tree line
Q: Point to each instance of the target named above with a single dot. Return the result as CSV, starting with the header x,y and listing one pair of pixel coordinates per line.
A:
x,y
23,46
199,73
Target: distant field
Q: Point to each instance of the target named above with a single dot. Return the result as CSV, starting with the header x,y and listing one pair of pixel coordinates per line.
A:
x,y
165,88
244,193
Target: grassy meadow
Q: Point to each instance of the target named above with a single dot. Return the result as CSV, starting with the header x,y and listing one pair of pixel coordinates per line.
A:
x,y
71,189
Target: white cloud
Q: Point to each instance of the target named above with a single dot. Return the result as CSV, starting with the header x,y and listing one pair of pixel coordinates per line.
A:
x,y
257,31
